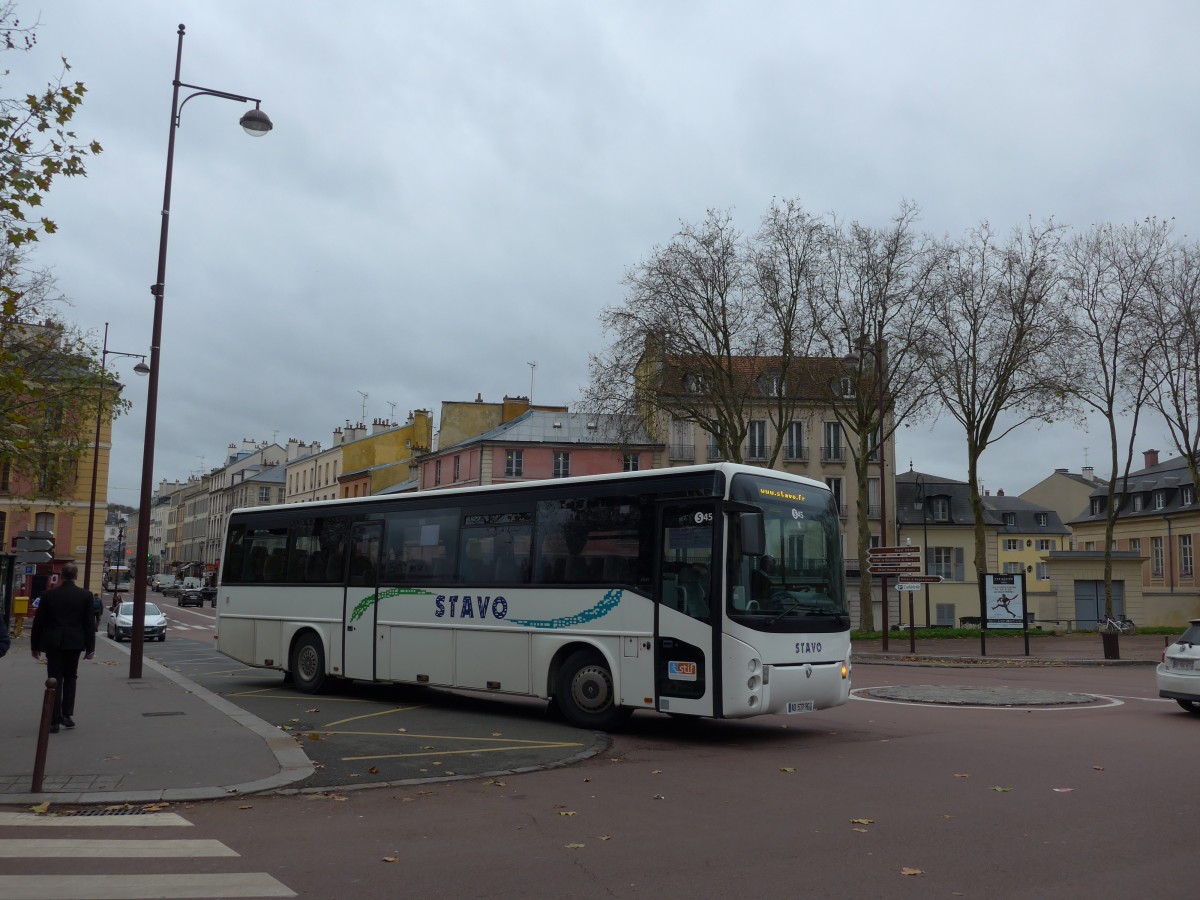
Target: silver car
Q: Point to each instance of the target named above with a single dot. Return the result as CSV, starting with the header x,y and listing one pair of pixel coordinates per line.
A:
x,y
1179,672
120,623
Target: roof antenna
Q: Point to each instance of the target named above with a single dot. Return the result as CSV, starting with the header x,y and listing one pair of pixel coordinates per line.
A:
x,y
532,370
392,411
364,395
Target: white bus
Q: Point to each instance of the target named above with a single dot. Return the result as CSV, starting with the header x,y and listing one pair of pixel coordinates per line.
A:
x,y
713,590
117,579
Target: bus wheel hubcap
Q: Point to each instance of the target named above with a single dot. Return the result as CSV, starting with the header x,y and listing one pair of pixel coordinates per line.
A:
x,y
307,663
591,689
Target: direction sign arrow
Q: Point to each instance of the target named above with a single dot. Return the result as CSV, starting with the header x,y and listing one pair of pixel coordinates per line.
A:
x,y
892,570
922,579
29,544
26,557
893,551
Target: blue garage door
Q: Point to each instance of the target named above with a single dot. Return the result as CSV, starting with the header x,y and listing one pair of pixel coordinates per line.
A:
x,y
1089,602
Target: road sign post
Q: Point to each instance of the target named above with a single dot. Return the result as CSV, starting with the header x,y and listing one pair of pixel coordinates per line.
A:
x,y
35,547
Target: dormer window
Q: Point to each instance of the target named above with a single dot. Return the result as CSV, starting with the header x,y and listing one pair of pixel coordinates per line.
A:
x,y
1043,519
1139,502
1097,506
1010,519
1160,499
939,508
847,387
695,383
1187,494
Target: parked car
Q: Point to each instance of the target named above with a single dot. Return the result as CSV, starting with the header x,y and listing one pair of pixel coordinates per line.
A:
x,y
120,623
172,590
1178,674
161,582
210,595
191,598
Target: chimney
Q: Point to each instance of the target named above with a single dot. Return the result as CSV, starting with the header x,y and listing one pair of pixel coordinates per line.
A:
x,y
1151,457
1089,473
1000,493
479,398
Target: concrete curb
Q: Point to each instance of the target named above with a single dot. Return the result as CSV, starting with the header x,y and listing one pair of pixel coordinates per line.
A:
x,y
983,662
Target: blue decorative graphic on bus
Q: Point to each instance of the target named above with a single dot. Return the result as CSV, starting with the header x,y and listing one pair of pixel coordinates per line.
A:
x,y
599,611
370,600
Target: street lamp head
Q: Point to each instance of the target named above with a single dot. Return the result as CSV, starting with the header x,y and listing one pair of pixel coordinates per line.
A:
x,y
141,368
256,122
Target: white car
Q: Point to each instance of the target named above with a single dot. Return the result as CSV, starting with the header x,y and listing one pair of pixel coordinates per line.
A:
x,y
120,623
1179,672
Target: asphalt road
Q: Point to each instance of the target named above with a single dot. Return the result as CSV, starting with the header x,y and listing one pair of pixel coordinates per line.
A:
x,y
875,798
363,734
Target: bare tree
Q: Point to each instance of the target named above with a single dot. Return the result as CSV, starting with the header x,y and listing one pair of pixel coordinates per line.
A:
x,y
1171,329
873,312
997,329
1109,277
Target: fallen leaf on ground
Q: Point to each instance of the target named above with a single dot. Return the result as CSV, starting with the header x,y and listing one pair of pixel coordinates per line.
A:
x,y
907,871
566,812
313,736
497,734
604,837
41,808
656,771
391,859
374,770
1001,790
313,710
862,821
1063,790
659,797
961,775
156,807
1098,768
787,769
246,807
495,783
401,730
574,846
859,830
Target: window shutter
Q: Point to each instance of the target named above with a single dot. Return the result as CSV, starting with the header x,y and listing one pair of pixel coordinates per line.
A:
x,y
958,564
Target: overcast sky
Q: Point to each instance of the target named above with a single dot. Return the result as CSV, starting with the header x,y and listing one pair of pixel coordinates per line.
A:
x,y
454,190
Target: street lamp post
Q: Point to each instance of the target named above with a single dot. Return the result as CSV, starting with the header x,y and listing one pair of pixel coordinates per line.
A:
x,y
920,480
142,369
256,124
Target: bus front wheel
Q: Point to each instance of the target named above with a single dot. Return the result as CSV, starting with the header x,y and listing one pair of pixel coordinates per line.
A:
x,y
308,664
585,693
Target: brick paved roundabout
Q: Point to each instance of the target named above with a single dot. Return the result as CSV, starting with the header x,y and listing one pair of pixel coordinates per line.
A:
x,y
970,695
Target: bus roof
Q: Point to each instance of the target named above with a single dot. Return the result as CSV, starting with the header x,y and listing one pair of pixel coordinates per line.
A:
x,y
727,468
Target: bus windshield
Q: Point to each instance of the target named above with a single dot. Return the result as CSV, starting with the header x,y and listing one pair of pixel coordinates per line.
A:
x,y
798,583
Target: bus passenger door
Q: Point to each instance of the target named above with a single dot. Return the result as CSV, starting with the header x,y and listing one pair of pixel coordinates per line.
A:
x,y
358,619
687,607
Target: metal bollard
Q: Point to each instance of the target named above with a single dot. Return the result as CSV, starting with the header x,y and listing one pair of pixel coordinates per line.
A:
x,y
39,759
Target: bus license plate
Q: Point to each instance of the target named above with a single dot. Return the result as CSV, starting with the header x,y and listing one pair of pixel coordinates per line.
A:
x,y
799,706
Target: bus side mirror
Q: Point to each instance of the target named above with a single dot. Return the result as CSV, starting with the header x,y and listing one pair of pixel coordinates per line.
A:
x,y
753,533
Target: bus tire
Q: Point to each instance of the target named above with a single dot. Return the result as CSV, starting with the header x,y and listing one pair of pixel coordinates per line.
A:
x,y
586,693
308,664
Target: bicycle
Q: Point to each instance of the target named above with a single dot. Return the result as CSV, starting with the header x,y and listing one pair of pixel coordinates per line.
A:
x,y
1123,625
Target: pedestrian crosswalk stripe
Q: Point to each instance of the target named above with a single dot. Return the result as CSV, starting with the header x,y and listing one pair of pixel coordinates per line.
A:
x,y
140,887
142,820
111,849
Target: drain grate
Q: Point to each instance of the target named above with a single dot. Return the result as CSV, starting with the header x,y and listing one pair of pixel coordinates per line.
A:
x,y
106,811
172,713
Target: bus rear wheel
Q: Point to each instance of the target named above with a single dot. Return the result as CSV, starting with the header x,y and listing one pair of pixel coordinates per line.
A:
x,y
308,664
585,692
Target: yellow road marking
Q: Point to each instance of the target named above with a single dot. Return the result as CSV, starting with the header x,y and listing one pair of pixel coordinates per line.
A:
x,y
384,712
457,752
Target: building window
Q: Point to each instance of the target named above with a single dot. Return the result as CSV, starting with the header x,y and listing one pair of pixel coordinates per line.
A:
x,y
1185,554
1010,519
1013,568
1043,519
437,471
1043,571
835,486
5,476
1012,544
682,446
514,463
873,446
1097,506
1160,499
695,383
1047,544
714,447
947,562
794,441
1187,494
1135,545
562,463
758,439
939,508
458,468
631,462
873,496
1139,501
832,451
1156,556
264,495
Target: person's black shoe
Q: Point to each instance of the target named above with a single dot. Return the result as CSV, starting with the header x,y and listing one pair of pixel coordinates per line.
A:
x,y
68,721
54,729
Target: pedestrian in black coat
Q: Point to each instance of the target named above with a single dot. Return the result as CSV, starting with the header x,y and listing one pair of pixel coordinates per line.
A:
x,y
63,628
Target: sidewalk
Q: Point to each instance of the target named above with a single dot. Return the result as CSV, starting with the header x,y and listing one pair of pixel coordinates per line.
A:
x,y
157,738
1074,649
